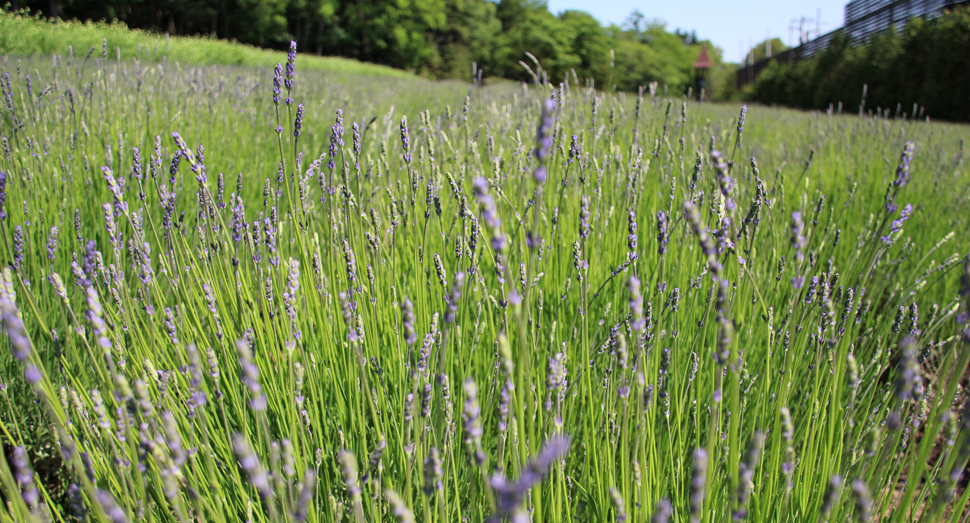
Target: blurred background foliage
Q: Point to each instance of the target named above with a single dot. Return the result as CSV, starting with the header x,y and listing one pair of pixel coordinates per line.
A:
x,y
926,63
433,38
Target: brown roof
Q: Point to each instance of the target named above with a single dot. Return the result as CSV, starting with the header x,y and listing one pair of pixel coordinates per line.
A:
x,y
703,61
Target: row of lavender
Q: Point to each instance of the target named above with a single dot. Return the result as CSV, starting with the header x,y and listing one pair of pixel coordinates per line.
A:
x,y
271,296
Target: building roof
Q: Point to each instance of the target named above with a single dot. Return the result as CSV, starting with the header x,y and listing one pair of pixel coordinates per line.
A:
x,y
703,61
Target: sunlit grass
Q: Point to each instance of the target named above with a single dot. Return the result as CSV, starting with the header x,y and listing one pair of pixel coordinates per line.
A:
x,y
236,323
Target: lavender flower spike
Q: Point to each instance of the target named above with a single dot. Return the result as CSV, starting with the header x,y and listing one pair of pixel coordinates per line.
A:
x,y
897,225
3,195
636,304
744,111
25,477
544,140
902,172
399,510
250,375
510,496
277,84
249,463
698,484
298,123
111,509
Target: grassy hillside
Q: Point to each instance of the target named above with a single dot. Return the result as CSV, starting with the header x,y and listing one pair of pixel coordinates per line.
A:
x,y
22,35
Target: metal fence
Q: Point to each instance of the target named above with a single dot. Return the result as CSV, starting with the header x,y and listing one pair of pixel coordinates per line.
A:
x,y
863,19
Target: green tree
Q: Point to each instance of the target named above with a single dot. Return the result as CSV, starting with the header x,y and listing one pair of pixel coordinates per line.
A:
x,y
468,36
590,44
529,27
649,53
760,50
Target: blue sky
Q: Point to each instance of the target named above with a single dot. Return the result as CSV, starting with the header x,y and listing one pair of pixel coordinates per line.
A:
x,y
726,23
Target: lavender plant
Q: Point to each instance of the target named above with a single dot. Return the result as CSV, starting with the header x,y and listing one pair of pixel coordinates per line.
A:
x,y
290,349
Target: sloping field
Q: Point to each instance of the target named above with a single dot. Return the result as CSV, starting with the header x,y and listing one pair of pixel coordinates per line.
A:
x,y
32,36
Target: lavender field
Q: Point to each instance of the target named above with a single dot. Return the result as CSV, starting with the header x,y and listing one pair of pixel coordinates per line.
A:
x,y
240,294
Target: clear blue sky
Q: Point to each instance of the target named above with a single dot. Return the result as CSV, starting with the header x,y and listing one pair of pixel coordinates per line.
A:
x,y
726,23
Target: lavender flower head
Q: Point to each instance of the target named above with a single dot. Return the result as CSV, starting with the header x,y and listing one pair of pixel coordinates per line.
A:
x,y
298,123
631,241
897,225
52,243
863,500
110,507
637,321
798,242
723,179
405,141
510,495
489,213
277,84
663,235
336,139
249,463
575,149
544,140
3,195
24,475
290,70
400,510
902,171
407,311
432,472
744,111
250,375
584,225
13,325
698,484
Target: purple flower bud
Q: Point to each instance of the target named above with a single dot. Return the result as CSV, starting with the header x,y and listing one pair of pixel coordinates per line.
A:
x,y
863,500
744,111
290,69
902,171
663,236
14,327
3,195
298,123
399,509
407,310
698,484
631,242
24,475
405,141
110,507
544,140
584,225
636,304
250,375
897,225
18,248
510,496
432,472
336,140
250,464
277,84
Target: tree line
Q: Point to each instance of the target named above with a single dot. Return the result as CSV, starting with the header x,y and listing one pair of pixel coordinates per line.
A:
x,y
435,38
922,69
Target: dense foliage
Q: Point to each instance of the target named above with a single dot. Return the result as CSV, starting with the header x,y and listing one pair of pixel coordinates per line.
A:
x,y
439,38
247,295
926,64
